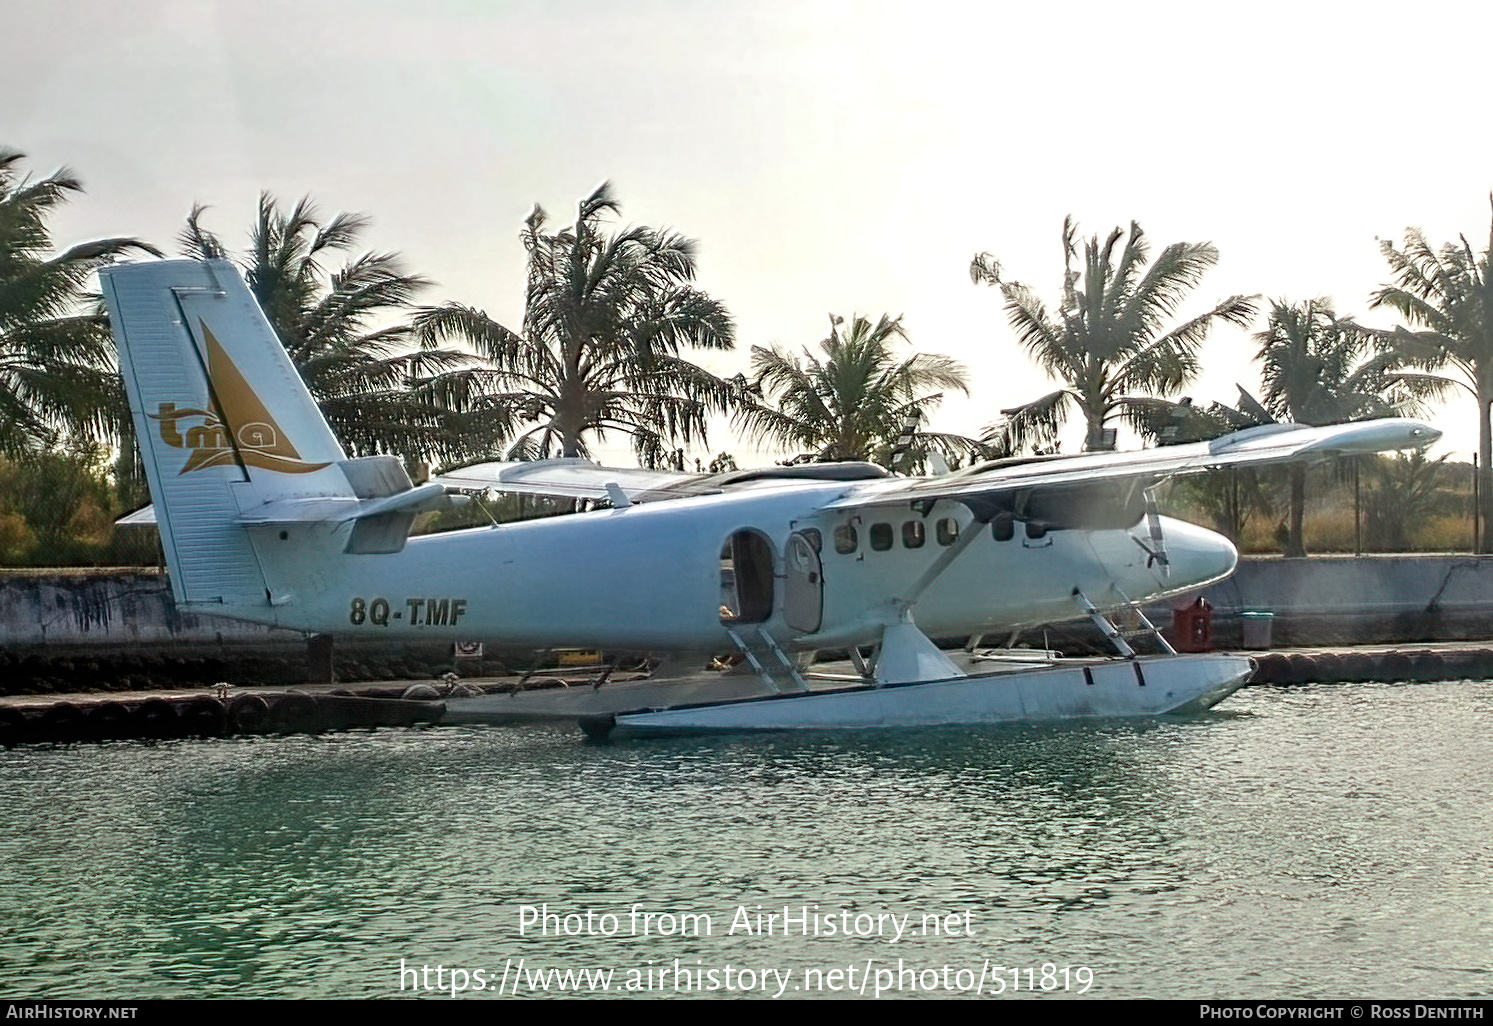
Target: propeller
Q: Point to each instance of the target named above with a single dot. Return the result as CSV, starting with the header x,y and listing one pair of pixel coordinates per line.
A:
x,y
1156,550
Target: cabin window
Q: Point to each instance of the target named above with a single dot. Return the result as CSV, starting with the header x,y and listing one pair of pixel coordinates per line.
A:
x,y
948,531
845,539
881,537
912,534
1003,527
814,538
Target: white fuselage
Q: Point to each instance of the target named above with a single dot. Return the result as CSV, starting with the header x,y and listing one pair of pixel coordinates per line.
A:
x,y
651,576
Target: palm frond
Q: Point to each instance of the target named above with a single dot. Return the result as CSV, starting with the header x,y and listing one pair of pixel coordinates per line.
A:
x,y
57,379
1108,339
606,317
853,401
1031,425
371,378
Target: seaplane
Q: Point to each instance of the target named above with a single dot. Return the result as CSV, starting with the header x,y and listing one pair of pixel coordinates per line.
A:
x,y
264,518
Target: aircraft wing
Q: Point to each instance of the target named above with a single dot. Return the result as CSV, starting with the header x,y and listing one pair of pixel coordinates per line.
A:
x,y
1270,443
571,479
582,479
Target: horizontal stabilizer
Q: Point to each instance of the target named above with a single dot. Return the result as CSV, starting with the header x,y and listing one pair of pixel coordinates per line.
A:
x,y
330,509
321,509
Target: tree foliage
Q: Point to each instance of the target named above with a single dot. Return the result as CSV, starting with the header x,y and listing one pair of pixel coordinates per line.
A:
x,y
1448,295
57,378
1111,341
367,375
1319,369
606,317
858,400
57,508
1400,494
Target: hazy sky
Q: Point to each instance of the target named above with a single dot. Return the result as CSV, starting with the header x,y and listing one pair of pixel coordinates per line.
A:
x,y
828,156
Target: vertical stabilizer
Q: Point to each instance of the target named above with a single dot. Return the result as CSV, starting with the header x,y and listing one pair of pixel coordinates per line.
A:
x,y
224,422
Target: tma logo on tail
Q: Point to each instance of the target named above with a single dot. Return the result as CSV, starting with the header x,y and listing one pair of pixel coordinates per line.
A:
x,y
245,432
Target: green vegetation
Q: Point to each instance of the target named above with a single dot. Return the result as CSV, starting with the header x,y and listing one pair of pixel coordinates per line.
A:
x,y
1109,342
57,508
371,382
1322,370
606,316
858,401
1448,294
1402,503
57,380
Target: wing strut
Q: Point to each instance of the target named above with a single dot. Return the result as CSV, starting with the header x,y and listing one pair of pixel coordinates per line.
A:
x,y
941,565
906,654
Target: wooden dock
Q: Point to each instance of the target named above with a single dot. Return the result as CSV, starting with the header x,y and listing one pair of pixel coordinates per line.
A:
x,y
222,712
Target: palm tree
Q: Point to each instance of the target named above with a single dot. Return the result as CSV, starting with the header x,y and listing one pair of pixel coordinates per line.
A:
x,y
370,382
605,318
57,375
1403,492
1449,295
1108,341
1319,369
858,403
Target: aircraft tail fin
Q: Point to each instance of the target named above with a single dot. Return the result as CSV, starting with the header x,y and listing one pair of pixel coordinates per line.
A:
x,y
231,437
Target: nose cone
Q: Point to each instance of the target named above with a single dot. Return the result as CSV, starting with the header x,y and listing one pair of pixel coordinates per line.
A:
x,y
1196,556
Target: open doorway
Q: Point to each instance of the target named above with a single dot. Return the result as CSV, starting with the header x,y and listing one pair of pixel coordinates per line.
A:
x,y
746,578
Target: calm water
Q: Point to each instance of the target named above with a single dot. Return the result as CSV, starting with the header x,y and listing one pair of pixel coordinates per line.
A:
x,y
1324,842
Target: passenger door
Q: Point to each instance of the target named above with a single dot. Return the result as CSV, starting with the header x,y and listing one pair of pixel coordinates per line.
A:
x,y
803,599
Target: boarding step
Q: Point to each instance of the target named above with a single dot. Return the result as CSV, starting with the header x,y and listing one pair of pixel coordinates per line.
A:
x,y
1118,637
773,666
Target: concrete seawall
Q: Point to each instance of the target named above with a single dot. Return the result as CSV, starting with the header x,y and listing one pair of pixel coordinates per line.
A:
x,y
1357,600
114,608
120,629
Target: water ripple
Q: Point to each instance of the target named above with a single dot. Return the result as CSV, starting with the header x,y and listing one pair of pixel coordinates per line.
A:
x,y
1320,842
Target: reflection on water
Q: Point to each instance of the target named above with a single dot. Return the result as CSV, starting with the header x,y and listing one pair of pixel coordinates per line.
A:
x,y
1321,842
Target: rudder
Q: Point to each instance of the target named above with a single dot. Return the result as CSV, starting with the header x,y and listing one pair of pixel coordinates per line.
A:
x,y
223,419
